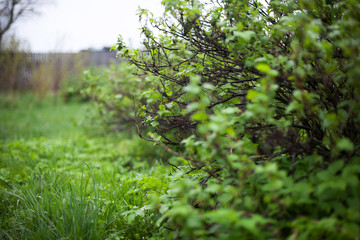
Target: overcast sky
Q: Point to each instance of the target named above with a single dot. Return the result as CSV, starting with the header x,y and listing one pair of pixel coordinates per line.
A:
x,y
73,25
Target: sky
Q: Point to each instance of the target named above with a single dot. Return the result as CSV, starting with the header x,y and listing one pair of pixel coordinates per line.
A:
x,y
74,25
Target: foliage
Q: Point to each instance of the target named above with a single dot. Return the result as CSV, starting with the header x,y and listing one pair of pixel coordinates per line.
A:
x,y
259,104
117,93
71,87
72,81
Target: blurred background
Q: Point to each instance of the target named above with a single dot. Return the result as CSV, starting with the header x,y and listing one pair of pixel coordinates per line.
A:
x,y
45,45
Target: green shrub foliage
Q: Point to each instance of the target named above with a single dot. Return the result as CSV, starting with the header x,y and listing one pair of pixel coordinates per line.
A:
x,y
259,103
117,92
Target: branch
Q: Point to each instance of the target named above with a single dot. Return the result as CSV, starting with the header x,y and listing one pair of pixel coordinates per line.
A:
x,y
227,99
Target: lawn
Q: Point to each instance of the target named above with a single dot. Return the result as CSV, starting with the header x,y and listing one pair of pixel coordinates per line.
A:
x,y
26,116
58,180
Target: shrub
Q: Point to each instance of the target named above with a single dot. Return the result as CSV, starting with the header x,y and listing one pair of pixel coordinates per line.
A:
x,y
259,104
118,94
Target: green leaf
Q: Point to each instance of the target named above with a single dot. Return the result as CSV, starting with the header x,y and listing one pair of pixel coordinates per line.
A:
x,y
263,67
213,188
199,116
252,94
131,217
245,35
154,123
344,144
224,216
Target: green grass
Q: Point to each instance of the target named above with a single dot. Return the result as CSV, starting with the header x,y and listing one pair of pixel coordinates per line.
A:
x,y
27,117
58,182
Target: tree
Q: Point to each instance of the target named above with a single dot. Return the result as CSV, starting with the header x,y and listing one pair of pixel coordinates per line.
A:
x,y
11,11
259,104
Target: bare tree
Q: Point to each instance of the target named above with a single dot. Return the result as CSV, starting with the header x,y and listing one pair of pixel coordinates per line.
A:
x,y
12,10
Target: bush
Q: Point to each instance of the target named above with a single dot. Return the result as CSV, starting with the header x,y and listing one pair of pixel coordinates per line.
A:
x,y
259,104
118,93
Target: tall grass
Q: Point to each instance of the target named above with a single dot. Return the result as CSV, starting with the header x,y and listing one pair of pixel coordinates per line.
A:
x,y
56,182
50,208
